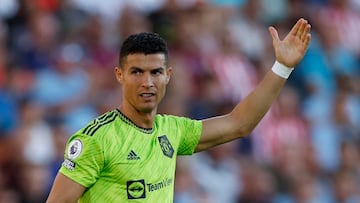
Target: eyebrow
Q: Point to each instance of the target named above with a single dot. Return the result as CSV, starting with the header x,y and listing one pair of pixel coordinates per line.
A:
x,y
141,69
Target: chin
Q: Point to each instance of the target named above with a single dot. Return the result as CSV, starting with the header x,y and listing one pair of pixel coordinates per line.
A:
x,y
147,109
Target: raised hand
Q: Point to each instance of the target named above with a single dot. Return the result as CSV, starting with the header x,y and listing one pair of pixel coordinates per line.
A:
x,y
292,48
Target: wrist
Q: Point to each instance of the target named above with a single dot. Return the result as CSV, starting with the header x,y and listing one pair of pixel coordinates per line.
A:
x,y
281,70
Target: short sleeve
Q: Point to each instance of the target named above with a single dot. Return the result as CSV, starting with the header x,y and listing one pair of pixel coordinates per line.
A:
x,y
83,159
190,136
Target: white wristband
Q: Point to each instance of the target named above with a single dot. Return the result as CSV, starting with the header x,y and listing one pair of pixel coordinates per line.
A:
x,y
281,70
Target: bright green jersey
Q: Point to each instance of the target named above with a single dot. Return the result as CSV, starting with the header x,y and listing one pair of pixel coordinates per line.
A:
x,y
118,161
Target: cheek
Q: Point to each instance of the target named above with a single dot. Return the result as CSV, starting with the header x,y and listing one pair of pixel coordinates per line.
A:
x,y
129,89
162,90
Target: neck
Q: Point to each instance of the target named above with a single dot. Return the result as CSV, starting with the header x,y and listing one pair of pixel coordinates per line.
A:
x,y
141,119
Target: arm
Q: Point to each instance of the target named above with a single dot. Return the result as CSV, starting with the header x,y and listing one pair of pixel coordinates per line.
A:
x,y
248,113
60,192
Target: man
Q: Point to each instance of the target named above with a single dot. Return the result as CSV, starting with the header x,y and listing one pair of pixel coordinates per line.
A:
x,y
129,154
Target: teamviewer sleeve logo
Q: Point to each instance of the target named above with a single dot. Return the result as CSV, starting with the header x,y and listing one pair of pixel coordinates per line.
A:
x,y
135,189
166,147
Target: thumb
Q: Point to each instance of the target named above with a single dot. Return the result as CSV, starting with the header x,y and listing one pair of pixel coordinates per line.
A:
x,y
274,34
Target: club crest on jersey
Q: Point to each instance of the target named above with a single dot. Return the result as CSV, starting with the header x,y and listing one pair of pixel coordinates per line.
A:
x,y
74,149
166,147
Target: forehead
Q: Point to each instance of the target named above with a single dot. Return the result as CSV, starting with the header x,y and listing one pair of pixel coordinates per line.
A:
x,y
145,61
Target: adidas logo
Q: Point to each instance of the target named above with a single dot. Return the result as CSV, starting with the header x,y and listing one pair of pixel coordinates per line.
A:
x,y
132,156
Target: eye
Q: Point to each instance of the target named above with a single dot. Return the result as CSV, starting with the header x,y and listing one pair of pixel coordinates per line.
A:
x,y
135,72
157,72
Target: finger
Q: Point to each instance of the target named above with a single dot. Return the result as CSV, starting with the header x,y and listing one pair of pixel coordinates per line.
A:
x,y
307,40
302,28
296,27
306,32
274,34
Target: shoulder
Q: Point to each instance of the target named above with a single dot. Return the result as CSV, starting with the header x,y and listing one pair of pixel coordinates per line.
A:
x,y
164,119
171,118
99,124
94,135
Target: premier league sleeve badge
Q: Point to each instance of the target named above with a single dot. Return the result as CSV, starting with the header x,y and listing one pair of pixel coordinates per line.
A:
x,y
74,149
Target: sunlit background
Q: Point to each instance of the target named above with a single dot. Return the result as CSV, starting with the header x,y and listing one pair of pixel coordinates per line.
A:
x,y
56,74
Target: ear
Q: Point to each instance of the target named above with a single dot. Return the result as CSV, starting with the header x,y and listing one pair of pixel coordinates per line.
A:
x,y
118,74
168,74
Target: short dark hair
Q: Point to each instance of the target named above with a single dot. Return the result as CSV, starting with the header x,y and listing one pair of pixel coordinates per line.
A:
x,y
144,42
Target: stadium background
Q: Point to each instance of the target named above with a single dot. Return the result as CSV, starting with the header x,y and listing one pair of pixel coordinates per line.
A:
x,y
56,74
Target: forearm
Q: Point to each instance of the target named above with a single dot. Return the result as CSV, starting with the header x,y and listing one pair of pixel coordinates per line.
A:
x,y
248,113
244,117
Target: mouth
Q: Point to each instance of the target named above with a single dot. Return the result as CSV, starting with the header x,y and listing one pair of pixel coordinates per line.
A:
x,y
147,95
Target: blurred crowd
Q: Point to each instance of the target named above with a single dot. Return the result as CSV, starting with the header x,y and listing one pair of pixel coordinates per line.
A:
x,y
56,74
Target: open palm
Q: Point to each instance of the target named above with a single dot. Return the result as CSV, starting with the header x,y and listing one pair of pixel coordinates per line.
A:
x,y
292,48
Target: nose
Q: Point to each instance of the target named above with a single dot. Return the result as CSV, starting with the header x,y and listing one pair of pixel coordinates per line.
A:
x,y
147,80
